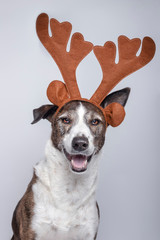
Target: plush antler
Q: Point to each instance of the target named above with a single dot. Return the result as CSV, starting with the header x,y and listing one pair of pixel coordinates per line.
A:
x,y
128,62
66,61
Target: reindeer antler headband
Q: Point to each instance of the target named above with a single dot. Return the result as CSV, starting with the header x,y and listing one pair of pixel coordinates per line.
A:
x,y
59,93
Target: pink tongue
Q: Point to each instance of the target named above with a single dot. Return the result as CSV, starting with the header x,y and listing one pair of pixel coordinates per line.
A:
x,y
78,161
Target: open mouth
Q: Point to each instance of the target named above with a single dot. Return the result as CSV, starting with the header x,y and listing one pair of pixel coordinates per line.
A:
x,y
78,162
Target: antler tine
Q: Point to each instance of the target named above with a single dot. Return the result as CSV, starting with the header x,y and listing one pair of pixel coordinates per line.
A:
x,y
128,62
56,46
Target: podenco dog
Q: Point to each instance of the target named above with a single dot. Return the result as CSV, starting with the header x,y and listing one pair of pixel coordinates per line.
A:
x,y
60,203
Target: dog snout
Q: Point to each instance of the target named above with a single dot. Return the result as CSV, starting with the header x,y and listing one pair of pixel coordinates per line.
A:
x,y
80,143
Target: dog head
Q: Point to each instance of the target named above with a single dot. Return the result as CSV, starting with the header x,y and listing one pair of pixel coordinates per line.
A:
x,y
78,129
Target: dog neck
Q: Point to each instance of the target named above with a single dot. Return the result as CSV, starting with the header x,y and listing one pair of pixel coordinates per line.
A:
x,y
67,189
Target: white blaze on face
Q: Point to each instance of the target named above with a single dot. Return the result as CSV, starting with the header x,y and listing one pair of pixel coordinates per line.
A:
x,y
80,128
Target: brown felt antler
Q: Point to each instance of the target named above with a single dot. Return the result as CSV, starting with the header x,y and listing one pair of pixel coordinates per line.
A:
x,y
128,62
66,61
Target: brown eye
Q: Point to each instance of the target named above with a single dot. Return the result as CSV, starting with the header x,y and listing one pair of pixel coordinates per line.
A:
x,y
66,120
95,122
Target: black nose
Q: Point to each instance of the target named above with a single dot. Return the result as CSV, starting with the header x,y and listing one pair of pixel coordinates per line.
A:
x,y
80,143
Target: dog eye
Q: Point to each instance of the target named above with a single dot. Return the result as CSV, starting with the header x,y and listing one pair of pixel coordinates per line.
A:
x,y
66,120
95,122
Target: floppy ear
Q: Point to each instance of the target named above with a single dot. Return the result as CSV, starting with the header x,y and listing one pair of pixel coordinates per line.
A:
x,y
44,112
120,97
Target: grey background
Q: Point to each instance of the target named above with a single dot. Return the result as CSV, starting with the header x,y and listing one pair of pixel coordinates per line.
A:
x,y
128,191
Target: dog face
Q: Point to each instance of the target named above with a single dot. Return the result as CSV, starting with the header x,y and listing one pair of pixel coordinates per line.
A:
x,y
78,131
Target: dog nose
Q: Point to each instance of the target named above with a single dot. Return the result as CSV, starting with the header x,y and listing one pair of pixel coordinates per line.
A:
x,y
80,143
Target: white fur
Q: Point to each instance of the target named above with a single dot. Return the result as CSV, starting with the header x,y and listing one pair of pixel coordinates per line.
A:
x,y
65,206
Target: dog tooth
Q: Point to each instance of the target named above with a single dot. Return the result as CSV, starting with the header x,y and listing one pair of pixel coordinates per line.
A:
x,y
85,164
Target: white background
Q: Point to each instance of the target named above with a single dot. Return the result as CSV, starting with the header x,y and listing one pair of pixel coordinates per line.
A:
x,y
129,179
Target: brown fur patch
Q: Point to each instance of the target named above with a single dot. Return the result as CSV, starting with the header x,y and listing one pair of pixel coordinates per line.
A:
x,y
99,219
99,130
58,129
22,216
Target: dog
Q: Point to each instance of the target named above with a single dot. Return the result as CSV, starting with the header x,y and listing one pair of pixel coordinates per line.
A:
x,y
59,203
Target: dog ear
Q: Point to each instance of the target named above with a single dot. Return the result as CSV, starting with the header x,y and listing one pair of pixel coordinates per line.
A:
x,y
44,112
120,97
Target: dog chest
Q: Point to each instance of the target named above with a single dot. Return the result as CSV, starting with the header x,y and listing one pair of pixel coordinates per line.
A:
x,y
50,222
64,203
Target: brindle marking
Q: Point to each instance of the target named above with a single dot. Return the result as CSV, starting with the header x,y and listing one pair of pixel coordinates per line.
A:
x,y
22,215
99,219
